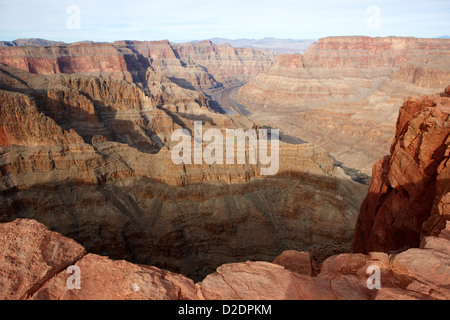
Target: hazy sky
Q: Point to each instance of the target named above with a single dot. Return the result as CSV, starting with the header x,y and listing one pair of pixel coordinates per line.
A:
x,y
76,20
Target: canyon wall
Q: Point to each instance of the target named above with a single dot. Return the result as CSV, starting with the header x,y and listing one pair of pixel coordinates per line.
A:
x,y
90,157
344,92
408,197
407,206
198,66
86,179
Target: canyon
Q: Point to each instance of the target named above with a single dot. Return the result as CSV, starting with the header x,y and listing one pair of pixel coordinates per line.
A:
x,y
87,177
199,66
86,150
345,92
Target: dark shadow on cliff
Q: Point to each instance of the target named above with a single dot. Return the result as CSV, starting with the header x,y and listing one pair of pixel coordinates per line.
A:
x,y
394,221
137,65
152,223
103,122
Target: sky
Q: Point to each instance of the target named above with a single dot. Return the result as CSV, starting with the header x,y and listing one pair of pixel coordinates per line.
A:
x,y
186,20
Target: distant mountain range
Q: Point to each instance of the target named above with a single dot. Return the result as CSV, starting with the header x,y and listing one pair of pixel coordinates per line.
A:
x,y
29,42
36,42
278,45
274,44
268,43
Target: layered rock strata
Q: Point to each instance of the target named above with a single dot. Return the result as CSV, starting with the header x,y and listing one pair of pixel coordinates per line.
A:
x,y
344,92
34,264
408,197
91,158
407,205
198,66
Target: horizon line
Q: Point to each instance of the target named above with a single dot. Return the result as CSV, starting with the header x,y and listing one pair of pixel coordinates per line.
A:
x,y
443,37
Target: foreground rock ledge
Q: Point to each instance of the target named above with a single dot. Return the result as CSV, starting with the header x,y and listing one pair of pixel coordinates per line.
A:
x,y
34,262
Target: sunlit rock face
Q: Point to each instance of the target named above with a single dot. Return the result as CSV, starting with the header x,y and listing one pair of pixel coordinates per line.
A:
x,y
345,92
200,66
408,196
39,264
87,177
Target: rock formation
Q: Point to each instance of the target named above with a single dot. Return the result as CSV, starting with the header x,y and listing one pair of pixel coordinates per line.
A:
x,y
268,43
90,157
408,197
34,261
87,156
34,264
200,66
344,92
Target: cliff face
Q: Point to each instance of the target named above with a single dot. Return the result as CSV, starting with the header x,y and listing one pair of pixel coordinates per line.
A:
x,y
345,91
203,66
91,158
408,196
407,205
89,58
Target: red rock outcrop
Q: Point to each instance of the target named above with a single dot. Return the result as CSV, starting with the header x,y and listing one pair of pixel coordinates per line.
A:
x,y
408,195
344,92
30,256
19,120
295,261
87,58
34,265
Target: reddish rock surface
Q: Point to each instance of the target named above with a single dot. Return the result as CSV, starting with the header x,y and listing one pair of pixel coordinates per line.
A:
x,y
344,92
407,197
34,262
295,261
91,158
102,278
200,66
30,256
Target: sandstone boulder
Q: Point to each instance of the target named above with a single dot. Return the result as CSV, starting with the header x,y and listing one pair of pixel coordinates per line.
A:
x,y
295,261
34,265
105,279
30,256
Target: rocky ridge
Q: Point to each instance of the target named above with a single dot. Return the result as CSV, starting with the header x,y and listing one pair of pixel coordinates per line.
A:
x,y
344,92
197,66
34,265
